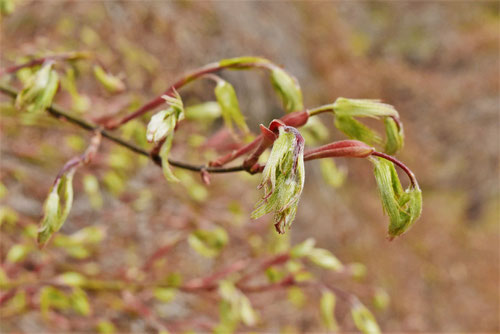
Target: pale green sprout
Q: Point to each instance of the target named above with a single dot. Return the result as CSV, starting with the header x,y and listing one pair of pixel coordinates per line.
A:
x,y
394,136
327,310
56,207
402,206
208,243
283,179
240,307
363,108
110,82
333,175
288,89
39,90
228,101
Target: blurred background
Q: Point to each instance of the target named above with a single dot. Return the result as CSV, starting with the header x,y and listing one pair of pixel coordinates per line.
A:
x,y
436,62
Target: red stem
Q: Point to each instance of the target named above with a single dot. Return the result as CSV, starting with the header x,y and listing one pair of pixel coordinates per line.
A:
x,y
401,165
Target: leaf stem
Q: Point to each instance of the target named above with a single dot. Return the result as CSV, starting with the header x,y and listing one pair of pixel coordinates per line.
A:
x,y
401,165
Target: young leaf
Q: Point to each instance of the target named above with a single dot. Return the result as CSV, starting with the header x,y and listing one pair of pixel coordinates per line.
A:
x,y
80,302
303,249
402,207
325,259
163,122
164,294
356,130
39,90
327,309
362,108
110,82
56,207
18,253
394,136
288,89
204,112
242,62
364,319
333,175
164,152
208,243
228,101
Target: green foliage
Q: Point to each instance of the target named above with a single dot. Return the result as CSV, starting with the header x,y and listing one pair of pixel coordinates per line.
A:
x,y
402,207
394,136
333,175
234,307
204,112
362,108
39,90
364,319
327,310
228,101
288,89
18,253
208,243
356,130
110,82
56,207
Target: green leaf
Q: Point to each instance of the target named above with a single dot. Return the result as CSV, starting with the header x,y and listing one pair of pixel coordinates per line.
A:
x,y
325,259
356,130
296,296
165,165
7,7
303,249
72,278
110,82
364,319
238,306
228,101
314,131
208,243
91,187
204,112
164,294
16,305
106,327
333,175
362,108
381,299
327,309
402,207
39,90
18,253
51,297
288,89
56,207
80,302
394,136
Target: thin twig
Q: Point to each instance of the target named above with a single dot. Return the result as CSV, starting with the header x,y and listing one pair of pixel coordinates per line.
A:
x,y
60,113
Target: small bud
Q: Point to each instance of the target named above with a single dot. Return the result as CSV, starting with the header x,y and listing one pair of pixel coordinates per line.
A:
x,y
288,88
283,178
327,309
110,82
296,119
39,90
228,101
342,148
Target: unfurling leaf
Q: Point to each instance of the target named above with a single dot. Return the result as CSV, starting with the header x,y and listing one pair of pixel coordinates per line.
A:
x,y
228,101
362,108
208,243
283,179
394,136
333,175
39,90
327,309
56,207
110,82
364,319
288,89
356,130
402,207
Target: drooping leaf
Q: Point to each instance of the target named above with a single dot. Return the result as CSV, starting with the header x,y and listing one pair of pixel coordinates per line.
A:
x,y
288,89
228,101
402,207
356,130
165,165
